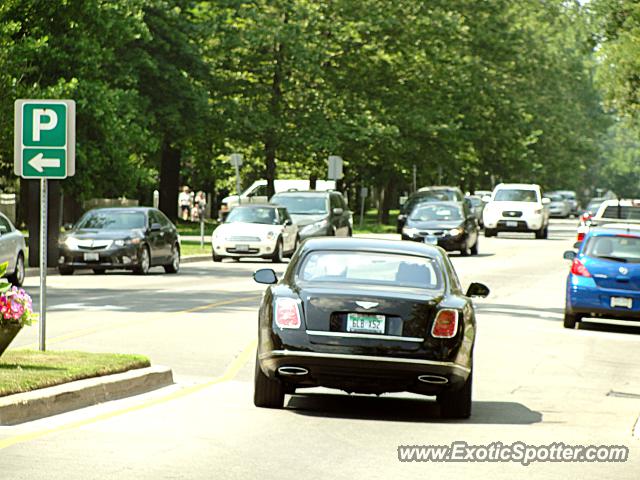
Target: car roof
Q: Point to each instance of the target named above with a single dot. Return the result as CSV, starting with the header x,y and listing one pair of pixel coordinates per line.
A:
x,y
371,244
615,229
437,187
123,209
442,203
522,186
256,205
305,192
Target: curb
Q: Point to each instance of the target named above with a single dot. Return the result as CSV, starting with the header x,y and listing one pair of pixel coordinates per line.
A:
x,y
45,402
35,271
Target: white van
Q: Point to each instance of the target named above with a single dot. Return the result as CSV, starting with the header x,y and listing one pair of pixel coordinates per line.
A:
x,y
257,192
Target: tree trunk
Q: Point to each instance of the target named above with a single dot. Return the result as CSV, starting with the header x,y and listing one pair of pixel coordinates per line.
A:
x,y
169,180
387,200
381,195
313,178
33,221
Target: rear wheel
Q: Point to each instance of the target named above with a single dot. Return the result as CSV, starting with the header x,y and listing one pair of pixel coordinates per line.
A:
x,y
17,277
490,232
65,270
174,266
474,249
267,392
545,233
99,271
540,233
457,404
571,320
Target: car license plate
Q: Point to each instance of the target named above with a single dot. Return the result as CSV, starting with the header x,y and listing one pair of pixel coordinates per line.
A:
x,y
430,239
621,302
91,257
363,323
242,248
512,224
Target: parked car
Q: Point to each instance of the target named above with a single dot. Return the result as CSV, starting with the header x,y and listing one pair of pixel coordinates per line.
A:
x,y
450,225
604,280
516,207
262,231
367,316
317,214
257,192
593,205
12,251
427,194
559,206
120,238
477,207
570,196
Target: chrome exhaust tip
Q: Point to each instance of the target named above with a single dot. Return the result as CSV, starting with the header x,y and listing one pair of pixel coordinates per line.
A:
x,y
437,379
292,371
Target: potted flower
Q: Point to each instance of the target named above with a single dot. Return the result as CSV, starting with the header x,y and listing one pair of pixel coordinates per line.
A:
x,y
15,310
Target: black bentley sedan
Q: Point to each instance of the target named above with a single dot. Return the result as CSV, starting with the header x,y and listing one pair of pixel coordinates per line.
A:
x,y
120,238
367,316
450,225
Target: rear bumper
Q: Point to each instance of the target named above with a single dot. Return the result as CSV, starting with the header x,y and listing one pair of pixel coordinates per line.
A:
x,y
585,298
363,373
447,243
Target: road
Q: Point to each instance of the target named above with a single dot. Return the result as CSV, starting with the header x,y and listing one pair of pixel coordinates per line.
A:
x,y
534,382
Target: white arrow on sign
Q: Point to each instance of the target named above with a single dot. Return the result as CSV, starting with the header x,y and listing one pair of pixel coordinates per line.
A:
x,y
39,163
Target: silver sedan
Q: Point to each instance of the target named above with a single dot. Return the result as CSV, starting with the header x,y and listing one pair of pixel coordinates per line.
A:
x,y
12,250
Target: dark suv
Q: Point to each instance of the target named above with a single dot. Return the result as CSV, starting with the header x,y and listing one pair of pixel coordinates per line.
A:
x,y
317,214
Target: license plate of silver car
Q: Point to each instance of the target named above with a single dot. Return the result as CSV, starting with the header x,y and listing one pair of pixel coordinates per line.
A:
x,y
512,224
91,257
364,323
621,302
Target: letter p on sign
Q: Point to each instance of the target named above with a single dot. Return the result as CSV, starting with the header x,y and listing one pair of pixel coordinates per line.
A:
x,y
39,114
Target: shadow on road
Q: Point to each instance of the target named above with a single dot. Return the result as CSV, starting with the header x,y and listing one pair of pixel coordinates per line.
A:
x,y
632,329
395,409
517,310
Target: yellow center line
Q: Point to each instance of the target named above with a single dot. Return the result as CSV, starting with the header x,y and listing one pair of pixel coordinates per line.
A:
x,y
230,373
106,328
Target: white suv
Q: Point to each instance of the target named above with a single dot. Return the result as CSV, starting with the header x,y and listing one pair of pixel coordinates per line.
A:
x,y
516,207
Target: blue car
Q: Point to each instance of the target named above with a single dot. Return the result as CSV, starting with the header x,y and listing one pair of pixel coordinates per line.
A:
x,y
605,276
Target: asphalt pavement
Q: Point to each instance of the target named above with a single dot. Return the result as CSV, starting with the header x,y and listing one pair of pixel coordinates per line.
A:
x,y
534,382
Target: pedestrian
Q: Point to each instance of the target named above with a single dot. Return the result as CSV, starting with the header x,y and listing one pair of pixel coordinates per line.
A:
x,y
200,204
184,200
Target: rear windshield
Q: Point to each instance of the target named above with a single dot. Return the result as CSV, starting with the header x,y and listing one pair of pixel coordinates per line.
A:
x,y
515,195
555,197
113,220
624,212
302,205
368,268
434,212
615,248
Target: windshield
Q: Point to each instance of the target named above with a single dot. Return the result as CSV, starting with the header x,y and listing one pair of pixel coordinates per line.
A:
x,y
302,205
371,269
442,195
426,213
617,248
113,220
263,215
555,197
516,195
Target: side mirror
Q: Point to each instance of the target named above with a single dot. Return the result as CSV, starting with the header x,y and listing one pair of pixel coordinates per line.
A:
x,y
156,227
577,245
477,290
337,211
3,229
288,222
546,201
67,226
265,275
569,255
486,198
403,200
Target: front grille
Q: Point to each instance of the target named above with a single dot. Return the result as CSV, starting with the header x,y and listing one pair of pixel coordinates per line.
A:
x,y
92,245
521,225
432,233
249,251
243,239
512,214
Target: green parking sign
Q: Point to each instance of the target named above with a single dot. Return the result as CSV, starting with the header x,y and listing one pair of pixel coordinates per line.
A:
x,y
44,145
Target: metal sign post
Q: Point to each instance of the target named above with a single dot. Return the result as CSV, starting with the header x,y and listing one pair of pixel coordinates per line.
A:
x,y
43,265
44,147
236,160
364,191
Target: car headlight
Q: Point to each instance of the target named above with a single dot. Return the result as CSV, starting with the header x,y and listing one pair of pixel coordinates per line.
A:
x,y
410,232
71,242
315,226
454,232
271,235
127,241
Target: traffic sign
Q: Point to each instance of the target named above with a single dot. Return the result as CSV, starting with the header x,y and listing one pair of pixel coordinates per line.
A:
x,y
335,167
44,138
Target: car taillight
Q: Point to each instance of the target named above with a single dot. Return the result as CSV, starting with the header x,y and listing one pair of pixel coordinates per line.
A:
x,y
445,324
585,217
578,268
287,313
580,236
